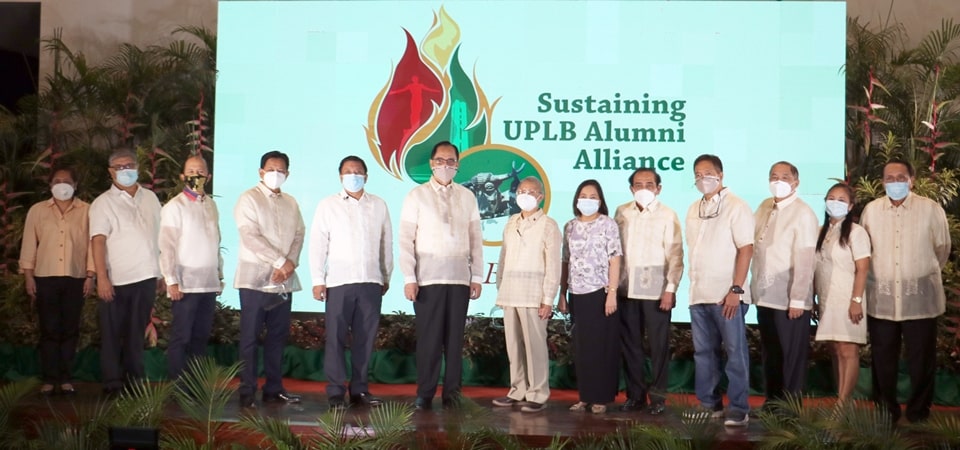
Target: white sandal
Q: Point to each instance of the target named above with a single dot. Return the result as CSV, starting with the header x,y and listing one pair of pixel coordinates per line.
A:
x,y
579,407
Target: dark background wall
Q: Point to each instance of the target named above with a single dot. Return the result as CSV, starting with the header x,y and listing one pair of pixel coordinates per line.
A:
x,y
19,51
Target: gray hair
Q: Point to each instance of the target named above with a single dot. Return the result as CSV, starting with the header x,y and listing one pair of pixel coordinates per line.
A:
x,y
121,153
533,179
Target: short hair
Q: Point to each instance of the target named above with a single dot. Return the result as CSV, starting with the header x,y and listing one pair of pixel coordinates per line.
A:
x,y
200,157
441,144
603,202
122,152
354,159
903,162
713,159
63,168
274,154
656,176
533,179
793,168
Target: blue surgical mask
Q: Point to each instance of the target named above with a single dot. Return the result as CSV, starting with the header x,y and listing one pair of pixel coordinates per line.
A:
x,y
897,190
352,182
127,177
837,209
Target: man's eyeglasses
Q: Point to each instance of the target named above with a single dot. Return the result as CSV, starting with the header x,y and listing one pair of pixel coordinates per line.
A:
x,y
705,207
445,161
533,193
124,166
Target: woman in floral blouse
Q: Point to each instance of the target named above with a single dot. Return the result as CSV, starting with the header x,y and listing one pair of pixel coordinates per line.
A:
x,y
591,264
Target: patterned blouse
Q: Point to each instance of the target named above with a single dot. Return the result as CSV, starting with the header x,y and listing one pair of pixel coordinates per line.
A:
x,y
587,248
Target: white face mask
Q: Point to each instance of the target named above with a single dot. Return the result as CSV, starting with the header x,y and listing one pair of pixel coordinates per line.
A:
x,y
62,191
352,182
445,174
588,206
706,185
274,179
837,209
780,189
527,202
644,197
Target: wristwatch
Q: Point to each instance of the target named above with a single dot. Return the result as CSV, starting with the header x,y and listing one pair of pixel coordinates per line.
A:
x,y
858,299
736,289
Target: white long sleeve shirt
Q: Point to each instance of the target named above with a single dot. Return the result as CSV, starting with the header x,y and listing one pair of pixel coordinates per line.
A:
x,y
784,254
271,231
351,241
652,250
528,274
190,244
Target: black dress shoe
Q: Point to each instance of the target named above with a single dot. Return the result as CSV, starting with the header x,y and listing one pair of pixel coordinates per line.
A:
x,y
633,405
247,402
365,399
423,404
451,402
281,397
656,409
337,403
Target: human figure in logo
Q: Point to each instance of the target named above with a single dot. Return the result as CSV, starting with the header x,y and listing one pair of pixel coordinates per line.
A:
x,y
416,90
490,200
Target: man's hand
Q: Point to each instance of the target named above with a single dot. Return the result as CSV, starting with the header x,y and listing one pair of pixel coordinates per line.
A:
x,y
386,287
88,287
562,303
320,292
731,305
173,291
105,289
31,285
667,301
545,311
410,291
287,269
794,313
161,286
278,276
475,291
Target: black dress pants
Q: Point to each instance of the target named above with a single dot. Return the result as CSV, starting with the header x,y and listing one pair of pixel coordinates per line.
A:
x,y
919,339
59,305
785,345
441,313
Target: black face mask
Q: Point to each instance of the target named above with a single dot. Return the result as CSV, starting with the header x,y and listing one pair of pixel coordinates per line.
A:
x,y
195,183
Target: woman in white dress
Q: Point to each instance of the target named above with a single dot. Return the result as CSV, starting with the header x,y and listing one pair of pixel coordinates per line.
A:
x,y
843,258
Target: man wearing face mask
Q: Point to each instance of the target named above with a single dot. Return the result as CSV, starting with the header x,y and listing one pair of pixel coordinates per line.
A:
x,y
191,264
784,260
652,266
441,257
719,235
124,230
58,271
351,259
911,244
271,233
528,277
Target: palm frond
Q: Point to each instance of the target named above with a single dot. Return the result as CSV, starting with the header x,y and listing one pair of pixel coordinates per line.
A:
x,y
142,403
275,431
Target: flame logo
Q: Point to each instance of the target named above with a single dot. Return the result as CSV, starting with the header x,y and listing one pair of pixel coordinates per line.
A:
x,y
428,98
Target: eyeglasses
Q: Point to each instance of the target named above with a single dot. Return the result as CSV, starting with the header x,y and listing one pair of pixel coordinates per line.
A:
x,y
445,161
706,214
533,193
124,166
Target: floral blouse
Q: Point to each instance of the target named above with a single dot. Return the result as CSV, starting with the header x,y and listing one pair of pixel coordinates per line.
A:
x,y
587,249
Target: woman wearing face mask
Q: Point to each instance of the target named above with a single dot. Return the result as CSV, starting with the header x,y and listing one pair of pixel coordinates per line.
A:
x,y
843,259
590,273
58,272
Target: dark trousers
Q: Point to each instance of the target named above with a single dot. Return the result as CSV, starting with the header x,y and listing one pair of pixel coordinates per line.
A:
x,y
637,317
59,305
189,330
596,347
259,309
785,346
919,338
441,313
353,307
123,322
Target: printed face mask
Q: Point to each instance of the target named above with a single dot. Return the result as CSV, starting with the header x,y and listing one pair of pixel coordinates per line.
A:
x,y
127,177
274,179
62,191
195,183
352,182
588,206
445,174
837,209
